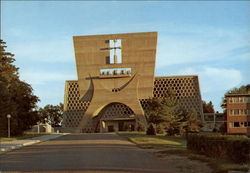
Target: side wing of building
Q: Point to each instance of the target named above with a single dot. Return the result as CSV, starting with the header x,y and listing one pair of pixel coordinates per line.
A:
x,y
187,91
186,88
74,108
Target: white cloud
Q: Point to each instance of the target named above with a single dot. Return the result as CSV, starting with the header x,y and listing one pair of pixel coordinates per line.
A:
x,y
60,50
38,78
199,47
214,79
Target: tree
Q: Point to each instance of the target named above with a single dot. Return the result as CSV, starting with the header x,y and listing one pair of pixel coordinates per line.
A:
x,y
159,111
155,112
8,74
162,113
26,114
17,97
166,113
151,130
51,114
244,89
192,122
173,124
208,107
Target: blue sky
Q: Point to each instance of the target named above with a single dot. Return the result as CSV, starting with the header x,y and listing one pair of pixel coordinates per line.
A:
x,y
207,38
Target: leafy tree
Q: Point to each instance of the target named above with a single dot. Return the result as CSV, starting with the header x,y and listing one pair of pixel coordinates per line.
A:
x,y
208,107
8,74
51,114
244,89
16,96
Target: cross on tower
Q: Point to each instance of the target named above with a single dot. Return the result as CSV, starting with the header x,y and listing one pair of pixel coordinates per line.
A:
x,y
114,50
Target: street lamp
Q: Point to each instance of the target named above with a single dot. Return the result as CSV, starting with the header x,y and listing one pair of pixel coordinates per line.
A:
x,y
38,127
8,116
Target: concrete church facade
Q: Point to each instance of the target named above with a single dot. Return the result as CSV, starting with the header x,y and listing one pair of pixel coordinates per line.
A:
x,y
115,79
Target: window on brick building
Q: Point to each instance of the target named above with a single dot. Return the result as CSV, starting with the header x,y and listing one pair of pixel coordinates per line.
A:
x,y
241,111
245,111
230,100
231,112
245,124
241,124
236,111
236,124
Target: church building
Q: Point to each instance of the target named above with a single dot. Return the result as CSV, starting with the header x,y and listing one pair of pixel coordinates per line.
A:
x,y
116,76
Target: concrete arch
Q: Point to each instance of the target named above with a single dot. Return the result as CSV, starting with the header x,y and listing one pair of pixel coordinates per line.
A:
x,y
114,113
102,97
108,104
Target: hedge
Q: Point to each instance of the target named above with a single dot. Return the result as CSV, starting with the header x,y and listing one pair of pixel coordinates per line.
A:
x,y
234,148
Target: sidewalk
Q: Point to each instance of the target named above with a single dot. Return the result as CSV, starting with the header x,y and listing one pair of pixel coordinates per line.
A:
x,y
11,145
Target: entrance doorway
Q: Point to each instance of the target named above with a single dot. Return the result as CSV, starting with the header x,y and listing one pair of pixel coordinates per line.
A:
x,y
121,126
111,128
114,117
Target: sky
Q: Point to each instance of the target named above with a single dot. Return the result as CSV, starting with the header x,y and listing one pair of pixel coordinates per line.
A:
x,y
205,38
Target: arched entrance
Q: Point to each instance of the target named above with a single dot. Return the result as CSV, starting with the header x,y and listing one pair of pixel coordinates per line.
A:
x,y
114,117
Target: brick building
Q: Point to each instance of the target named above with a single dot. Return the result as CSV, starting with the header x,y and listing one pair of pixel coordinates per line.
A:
x,y
238,113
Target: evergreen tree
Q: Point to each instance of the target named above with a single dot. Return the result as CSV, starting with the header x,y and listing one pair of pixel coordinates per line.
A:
x,y
166,113
173,124
155,111
191,121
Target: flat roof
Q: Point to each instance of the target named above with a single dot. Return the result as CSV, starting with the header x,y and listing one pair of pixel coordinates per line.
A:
x,y
236,95
179,76
152,32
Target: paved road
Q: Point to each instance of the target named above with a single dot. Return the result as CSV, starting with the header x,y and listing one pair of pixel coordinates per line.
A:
x,y
10,145
83,153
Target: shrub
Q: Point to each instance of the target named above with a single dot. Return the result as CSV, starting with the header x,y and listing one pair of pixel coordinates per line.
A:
x,y
151,130
223,128
159,129
234,148
140,127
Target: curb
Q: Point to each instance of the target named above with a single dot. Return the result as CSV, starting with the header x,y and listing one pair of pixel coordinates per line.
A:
x,y
16,146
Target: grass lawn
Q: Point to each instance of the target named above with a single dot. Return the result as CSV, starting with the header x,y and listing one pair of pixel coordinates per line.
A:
x,y
150,141
177,146
24,136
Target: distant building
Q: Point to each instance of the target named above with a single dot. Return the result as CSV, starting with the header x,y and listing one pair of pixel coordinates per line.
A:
x,y
238,113
213,121
41,128
115,79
